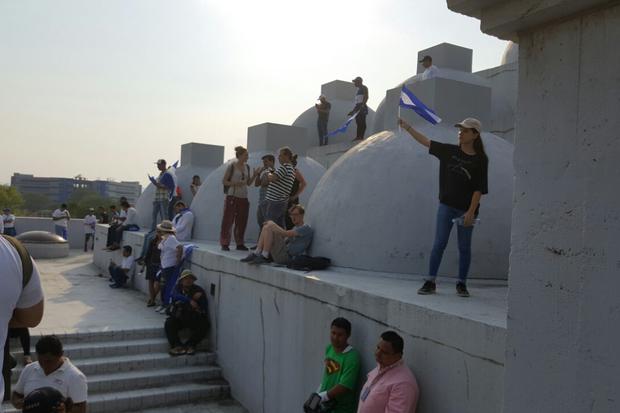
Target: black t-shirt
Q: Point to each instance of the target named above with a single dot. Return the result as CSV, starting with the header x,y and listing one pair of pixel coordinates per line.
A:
x,y
324,116
460,175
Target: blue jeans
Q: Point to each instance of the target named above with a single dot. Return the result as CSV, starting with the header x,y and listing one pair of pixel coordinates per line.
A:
x,y
118,275
445,215
10,232
159,208
60,230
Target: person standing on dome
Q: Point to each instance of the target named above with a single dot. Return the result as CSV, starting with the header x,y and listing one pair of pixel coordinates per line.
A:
x,y
462,182
322,110
361,97
430,70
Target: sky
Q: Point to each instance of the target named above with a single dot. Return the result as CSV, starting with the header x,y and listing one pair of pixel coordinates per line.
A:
x,y
104,88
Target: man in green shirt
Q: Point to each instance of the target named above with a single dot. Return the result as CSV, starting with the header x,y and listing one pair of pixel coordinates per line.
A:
x,y
342,368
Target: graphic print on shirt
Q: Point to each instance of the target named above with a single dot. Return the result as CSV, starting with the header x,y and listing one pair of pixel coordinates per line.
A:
x,y
458,166
332,366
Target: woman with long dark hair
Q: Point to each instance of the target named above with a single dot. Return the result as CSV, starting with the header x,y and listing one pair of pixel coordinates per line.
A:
x,y
236,180
462,182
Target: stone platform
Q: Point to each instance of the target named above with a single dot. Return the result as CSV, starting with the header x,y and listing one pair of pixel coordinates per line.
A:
x,y
272,326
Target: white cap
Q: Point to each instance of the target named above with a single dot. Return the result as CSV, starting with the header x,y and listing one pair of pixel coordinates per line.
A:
x,y
471,123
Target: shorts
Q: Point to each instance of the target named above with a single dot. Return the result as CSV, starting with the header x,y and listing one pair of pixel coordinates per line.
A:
x,y
279,250
151,272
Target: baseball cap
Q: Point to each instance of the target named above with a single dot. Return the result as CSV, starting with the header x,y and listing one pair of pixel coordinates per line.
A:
x,y
470,123
427,57
160,161
357,78
43,400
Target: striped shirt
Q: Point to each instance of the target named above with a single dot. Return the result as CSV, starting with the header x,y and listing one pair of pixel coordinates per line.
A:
x,y
280,190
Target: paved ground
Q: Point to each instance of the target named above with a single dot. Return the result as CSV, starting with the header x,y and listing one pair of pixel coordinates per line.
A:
x,y
77,299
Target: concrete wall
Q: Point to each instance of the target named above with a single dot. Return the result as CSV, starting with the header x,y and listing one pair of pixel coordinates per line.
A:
x,y
272,326
565,263
76,228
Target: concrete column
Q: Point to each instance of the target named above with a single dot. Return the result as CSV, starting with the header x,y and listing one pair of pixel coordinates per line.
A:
x,y
564,298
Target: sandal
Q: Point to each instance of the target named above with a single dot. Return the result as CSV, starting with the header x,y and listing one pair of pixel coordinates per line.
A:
x,y
190,351
150,303
177,351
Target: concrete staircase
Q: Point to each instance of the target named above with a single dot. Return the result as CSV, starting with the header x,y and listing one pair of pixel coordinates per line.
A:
x,y
131,370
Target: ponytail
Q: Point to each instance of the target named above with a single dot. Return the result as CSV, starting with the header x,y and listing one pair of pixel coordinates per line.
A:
x,y
479,148
240,150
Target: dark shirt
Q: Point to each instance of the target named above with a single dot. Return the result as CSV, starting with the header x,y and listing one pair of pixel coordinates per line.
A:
x,y
324,116
103,218
186,296
460,175
153,253
360,106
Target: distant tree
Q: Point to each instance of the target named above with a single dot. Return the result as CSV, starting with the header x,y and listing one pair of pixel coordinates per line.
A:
x,y
82,199
36,204
10,198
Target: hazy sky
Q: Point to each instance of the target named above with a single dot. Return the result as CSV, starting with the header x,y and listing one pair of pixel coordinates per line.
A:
x,y
104,88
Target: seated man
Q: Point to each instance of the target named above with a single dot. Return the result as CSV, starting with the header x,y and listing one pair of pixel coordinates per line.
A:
x,y
342,368
189,310
280,245
183,221
52,370
129,223
120,274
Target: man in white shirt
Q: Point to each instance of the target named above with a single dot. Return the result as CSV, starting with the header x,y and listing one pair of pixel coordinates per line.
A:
x,y
8,222
130,223
119,274
183,221
52,370
90,220
61,219
430,70
21,296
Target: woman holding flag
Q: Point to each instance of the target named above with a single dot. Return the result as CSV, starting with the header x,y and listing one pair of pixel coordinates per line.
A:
x,y
462,182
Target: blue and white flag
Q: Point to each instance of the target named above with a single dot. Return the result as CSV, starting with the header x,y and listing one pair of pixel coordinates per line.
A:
x,y
344,127
409,101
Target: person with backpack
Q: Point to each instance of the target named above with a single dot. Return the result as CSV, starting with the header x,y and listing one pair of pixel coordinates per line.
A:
x,y
279,245
236,180
279,188
21,295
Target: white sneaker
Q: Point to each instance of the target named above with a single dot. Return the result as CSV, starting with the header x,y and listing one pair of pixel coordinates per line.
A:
x,y
158,308
163,310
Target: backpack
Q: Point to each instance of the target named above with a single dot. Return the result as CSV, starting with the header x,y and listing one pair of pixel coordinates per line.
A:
x,y
229,173
308,263
25,258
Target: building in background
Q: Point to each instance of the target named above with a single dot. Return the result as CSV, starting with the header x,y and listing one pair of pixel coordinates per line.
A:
x,y
60,189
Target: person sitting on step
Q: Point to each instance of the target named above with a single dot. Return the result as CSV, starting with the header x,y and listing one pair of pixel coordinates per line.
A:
x,y
119,274
189,310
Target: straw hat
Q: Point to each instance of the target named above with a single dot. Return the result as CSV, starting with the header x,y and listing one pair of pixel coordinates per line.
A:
x,y
166,226
185,274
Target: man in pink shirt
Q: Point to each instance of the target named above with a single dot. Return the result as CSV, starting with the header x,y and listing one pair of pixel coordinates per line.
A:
x,y
390,387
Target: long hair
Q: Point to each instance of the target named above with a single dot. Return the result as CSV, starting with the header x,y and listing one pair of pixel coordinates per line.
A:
x,y
240,150
479,148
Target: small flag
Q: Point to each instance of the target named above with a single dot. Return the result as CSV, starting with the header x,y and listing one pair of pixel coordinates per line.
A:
x,y
175,165
409,101
344,127
153,181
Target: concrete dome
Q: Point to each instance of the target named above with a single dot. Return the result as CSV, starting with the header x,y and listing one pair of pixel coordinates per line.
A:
x,y
184,174
375,207
380,120
337,116
208,205
43,244
511,54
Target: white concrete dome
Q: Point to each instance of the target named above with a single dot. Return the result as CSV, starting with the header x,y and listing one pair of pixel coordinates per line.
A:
x,y
337,116
444,73
511,54
375,208
184,175
208,205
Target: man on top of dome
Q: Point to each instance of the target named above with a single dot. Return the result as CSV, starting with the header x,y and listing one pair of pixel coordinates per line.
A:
x,y
430,70
322,109
361,97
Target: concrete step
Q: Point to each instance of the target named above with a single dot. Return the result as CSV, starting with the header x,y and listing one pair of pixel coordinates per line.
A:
x,y
135,400
135,362
97,336
115,382
110,348
220,406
